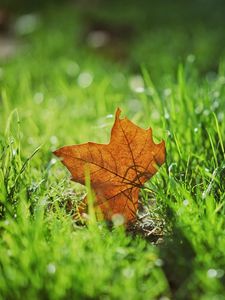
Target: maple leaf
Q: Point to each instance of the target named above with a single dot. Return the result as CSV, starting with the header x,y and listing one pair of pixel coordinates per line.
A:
x,y
117,170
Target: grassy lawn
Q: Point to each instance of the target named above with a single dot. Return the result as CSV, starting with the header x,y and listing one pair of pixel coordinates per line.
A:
x,y
57,91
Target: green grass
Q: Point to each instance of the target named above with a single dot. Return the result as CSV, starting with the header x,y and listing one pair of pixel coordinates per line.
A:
x,y
43,105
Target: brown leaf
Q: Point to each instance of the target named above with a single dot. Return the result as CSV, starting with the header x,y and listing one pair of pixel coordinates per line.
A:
x,y
118,169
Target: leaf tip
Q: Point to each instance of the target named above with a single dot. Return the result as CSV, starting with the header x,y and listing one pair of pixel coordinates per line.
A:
x,y
161,158
118,112
56,152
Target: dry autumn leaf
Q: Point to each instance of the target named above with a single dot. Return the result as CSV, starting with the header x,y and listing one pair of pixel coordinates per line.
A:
x,y
117,170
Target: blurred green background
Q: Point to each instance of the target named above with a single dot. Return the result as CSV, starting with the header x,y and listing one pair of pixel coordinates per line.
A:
x,y
65,66
159,35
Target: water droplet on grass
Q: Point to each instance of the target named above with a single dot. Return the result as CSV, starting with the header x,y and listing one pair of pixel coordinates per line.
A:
x,y
38,98
43,202
136,83
220,116
97,38
27,24
198,109
72,69
128,272
220,273
51,268
215,105
31,140
190,58
85,79
110,116
6,222
53,161
206,112
172,166
166,116
117,220
222,80
53,139
159,262
185,202
155,115
211,273
169,134
167,92
164,298
121,250
216,94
